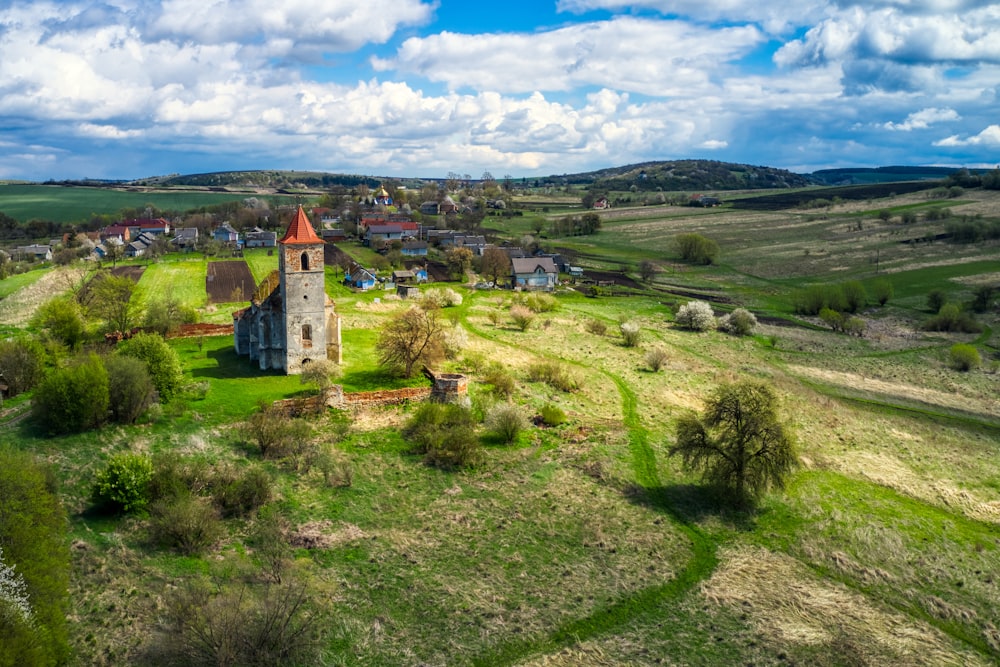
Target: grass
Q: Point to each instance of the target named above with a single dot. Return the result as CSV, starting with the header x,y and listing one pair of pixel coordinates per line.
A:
x,y
12,284
586,543
182,277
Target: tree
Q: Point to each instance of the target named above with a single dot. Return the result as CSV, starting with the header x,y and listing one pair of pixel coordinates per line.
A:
x,y
495,265
34,561
740,322
167,314
162,362
130,389
320,374
74,398
274,432
696,248
459,261
410,339
882,291
647,270
61,319
20,364
737,443
110,298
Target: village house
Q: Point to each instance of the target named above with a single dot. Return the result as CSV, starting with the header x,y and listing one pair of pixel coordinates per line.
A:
x,y
35,251
291,320
359,277
258,238
120,232
534,273
185,238
414,249
156,226
225,233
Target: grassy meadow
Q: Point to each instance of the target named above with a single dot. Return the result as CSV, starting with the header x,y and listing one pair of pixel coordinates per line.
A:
x,y
585,543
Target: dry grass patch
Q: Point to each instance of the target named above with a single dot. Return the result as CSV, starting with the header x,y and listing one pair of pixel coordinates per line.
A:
x,y
18,308
790,606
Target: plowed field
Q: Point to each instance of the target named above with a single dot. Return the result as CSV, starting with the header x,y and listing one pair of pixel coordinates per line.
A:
x,y
227,282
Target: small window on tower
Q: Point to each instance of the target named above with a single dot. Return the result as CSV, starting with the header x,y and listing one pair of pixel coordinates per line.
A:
x,y
305,261
307,334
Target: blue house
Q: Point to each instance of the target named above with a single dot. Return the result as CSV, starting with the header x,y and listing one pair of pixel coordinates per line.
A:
x,y
360,278
414,249
224,233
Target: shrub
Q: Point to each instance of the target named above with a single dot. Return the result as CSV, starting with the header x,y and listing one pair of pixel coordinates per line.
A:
x,y
832,319
175,475
982,299
631,334
552,415
740,322
505,421
251,488
123,485
166,315
501,380
240,624
855,326
436,297
21,364
539,302
320,374
553,373
161,361
73,399
274,433
964,357
952,318
656,359
62,320
130,389
596,327
522,316
187,523
696,315
445,435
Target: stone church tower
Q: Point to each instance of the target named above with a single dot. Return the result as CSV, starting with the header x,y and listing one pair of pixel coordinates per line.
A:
x,y
291,321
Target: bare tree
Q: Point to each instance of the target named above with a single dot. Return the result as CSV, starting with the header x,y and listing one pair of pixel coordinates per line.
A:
x,y
412,338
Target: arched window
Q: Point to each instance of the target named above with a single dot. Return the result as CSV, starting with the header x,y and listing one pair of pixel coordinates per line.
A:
x,y
305,261
307,334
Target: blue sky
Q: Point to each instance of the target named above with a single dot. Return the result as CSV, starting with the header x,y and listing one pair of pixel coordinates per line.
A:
x,y
134,88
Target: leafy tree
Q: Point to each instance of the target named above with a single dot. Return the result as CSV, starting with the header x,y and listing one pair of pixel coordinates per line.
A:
x,y
410,339
162,362
647,270
74,398
737,442
61,319
110,298
832,318
459,261
935,300
34,565
696,248
855,296
882,291
495,265
982,298
166,315
130,389
21,364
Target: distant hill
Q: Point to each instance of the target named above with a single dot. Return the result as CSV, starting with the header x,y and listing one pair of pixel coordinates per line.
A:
x,y
864,176
265,179
687,175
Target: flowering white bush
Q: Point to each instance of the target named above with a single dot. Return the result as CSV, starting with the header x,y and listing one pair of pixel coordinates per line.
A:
x,y
696,315
13,589
740,322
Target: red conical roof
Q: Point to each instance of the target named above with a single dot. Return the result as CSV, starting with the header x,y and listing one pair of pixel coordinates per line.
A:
x,y
300,230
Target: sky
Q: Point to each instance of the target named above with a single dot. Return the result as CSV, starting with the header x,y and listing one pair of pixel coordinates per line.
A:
x,y
127,89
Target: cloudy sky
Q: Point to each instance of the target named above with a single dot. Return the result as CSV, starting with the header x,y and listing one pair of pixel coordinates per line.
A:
x,y
134,88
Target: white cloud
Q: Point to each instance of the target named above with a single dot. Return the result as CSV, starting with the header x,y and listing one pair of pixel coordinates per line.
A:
x,y
988,137
921,120
714,144
657,58
773,16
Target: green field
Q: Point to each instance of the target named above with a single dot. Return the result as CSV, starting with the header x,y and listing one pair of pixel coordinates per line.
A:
x,y
77,204
586,543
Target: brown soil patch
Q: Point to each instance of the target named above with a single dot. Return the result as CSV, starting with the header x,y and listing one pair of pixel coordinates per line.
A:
x,y
228,282
132,272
